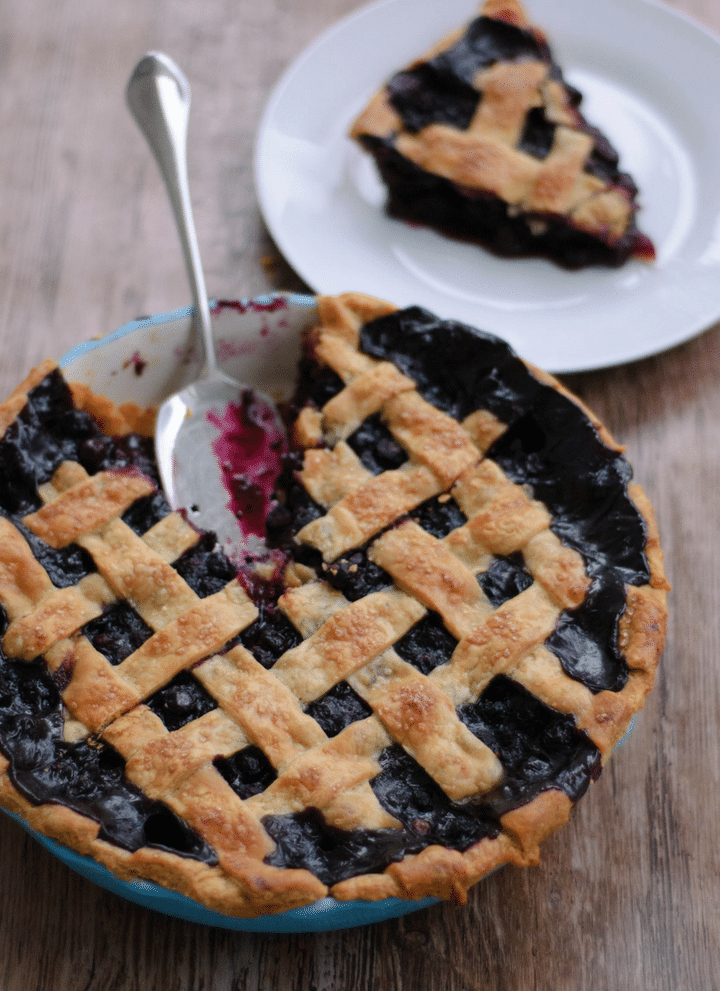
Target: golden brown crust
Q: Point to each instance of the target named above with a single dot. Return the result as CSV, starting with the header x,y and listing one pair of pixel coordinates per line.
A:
x,y
341,640
111,418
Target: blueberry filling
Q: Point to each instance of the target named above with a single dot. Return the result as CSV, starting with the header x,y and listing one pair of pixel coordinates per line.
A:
x,y
130,451
428,816
538,747
163,829
428,95
85,776
47,431
269,637
421,197
442,91
316,385
19,492
356,576
247,771
538,134
550,444
505,578
297,508
305,839
181,701
376,447
439,516
455,367
487,41
65,566
204,567
585,639
338,708
581,481
118,632
146,512
427,644
90,780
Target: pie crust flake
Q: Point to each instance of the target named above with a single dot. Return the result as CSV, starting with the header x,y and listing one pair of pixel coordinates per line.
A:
x,y
483,140
462,609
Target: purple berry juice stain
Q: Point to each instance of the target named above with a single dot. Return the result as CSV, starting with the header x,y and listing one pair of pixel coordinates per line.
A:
x,y
249,449
136,362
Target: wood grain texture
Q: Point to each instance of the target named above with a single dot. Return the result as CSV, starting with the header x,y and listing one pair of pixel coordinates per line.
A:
x,y
627,895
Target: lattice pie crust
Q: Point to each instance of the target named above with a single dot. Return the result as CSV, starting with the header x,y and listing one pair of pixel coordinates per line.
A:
x,y
338,640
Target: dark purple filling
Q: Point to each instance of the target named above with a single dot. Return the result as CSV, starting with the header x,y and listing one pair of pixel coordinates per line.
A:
x,y
247,771
47,431
118,632
550,444
85,776
269,637
428,816
505,578
205,568
296,509
146,512
65,566
582,483
586,639
427,644
538,134
356,576
376,447
131,451
338,708
315,386
180,701
427,95
456,368
538,747
439,516
305,839
442,91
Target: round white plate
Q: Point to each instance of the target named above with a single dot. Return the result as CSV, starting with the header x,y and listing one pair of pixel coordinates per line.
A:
x,y
651,79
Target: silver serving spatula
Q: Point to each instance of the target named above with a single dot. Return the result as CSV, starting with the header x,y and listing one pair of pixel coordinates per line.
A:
x,y
195,473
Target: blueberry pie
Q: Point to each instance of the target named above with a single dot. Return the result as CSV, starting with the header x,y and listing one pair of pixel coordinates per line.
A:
x,y
483,140
461,608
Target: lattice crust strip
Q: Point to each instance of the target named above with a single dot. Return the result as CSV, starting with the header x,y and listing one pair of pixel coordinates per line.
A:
x,y
342,640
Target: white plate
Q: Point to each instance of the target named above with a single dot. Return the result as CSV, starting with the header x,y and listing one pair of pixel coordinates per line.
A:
x,y
651,79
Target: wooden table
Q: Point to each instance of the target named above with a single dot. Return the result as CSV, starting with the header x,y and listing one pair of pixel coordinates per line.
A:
x,y
627,895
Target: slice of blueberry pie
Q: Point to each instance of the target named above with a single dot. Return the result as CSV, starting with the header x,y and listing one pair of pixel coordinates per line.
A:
x,y
462,607
483,140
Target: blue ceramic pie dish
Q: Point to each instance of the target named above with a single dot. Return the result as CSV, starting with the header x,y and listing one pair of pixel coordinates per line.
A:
x,y
144,361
